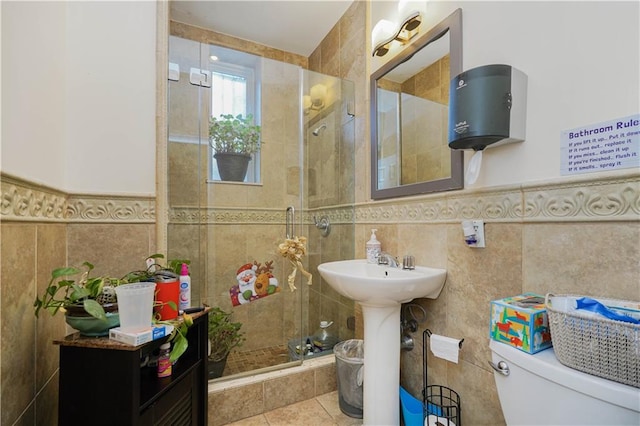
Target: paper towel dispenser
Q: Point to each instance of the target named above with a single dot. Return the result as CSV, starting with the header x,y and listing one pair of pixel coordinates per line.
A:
x,y
487,107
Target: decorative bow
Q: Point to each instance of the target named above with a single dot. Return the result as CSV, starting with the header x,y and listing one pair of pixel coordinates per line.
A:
x,y
294,249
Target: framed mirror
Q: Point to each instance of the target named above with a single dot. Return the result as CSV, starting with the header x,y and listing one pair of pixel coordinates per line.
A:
x,y
409,116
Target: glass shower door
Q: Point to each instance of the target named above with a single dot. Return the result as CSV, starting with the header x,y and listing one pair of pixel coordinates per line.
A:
x,y
231,231
234,228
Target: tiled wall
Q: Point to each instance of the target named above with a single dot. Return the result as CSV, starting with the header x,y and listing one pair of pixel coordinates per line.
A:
x,y
575,236
43,229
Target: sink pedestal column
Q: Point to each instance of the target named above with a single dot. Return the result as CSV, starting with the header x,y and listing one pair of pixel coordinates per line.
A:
x,y
381,386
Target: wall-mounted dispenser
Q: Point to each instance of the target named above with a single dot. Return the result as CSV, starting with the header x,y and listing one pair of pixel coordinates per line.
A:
x,y
473,231
487,107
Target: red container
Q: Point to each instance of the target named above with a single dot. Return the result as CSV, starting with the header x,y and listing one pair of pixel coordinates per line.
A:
x,y
167,291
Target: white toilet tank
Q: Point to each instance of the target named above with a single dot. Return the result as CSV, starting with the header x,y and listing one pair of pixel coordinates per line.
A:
x,y
539,390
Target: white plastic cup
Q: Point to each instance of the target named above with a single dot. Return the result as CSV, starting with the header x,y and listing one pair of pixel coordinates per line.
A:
x,y
135,305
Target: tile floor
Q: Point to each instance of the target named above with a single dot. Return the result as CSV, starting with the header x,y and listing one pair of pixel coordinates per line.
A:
x,y
322,410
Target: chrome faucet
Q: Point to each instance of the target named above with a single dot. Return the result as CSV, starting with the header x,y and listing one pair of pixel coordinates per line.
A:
x,y
385,258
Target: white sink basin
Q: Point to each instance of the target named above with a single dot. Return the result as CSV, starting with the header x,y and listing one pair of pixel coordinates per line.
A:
x,y
381,285
381,290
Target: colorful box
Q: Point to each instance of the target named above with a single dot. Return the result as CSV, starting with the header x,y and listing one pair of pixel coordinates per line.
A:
x,y
521,321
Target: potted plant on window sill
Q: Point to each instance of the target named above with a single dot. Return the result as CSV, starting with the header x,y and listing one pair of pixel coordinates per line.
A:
x,y
234,140
224,335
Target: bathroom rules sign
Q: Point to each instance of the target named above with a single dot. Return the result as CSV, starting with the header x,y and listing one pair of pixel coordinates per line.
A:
x,y
610,145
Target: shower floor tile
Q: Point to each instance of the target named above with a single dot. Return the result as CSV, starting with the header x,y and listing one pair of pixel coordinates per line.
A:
x,y
243,361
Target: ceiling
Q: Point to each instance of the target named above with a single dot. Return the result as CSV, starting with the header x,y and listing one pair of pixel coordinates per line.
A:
x,y
293,26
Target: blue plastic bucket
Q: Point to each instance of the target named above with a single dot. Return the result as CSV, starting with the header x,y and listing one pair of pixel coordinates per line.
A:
x,y
411,409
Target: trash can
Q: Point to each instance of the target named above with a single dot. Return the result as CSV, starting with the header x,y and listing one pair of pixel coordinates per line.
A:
x,y
349,371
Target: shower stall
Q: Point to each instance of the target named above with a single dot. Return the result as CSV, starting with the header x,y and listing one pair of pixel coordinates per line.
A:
x,y
301,184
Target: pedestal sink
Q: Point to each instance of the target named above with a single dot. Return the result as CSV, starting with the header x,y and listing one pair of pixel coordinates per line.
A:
x,y
381,290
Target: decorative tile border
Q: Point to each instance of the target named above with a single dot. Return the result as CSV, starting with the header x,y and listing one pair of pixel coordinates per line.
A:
x,y
615,197
609,200
253,215
87,208
28,202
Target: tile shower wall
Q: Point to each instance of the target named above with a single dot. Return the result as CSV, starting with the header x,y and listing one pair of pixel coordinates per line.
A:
x,y
339,54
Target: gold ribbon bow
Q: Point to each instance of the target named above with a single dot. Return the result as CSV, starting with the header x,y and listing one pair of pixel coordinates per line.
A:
x,y
294,249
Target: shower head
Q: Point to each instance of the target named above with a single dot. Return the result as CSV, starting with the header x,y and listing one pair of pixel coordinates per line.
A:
x,y
316,132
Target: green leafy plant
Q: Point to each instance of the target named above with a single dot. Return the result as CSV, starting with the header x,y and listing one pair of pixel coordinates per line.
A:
x,y
155,269
179,336
236,135
64,291
224,335
73,286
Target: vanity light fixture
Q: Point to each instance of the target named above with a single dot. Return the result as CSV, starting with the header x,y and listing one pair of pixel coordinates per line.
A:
x,y
385,32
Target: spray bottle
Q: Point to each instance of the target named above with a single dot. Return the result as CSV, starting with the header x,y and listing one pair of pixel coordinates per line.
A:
x,y
185,288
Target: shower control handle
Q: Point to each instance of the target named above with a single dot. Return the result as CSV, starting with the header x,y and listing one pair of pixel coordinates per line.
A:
x,y
502,367
323,225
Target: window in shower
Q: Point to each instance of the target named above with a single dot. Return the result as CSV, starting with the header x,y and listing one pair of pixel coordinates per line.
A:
x,y
235,86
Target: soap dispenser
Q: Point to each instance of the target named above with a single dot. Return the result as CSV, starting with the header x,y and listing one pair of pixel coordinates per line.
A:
x,y
373,248
323,339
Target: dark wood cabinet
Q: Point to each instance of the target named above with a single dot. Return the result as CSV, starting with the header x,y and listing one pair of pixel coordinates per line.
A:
x,y
102,382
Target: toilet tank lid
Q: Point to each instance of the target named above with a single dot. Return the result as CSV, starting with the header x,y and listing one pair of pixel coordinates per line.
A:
x,y
546,365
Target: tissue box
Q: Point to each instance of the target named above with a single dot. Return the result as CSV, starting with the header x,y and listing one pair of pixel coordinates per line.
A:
x,y
521,321
139,337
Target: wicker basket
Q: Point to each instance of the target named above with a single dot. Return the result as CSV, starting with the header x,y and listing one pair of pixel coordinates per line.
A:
x,y
596,345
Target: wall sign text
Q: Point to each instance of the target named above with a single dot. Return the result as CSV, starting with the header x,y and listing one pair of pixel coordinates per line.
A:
x,y
610,145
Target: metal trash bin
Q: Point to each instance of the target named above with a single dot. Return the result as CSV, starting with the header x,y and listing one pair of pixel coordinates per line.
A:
x,y
349,371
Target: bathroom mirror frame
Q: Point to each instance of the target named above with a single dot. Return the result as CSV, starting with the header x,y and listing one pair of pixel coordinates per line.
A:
x,y
452,25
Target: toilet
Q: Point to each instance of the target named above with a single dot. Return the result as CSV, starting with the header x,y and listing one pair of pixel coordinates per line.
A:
x,y
539,390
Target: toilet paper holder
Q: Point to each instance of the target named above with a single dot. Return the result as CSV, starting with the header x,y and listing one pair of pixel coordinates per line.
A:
x,y
428,333
440,404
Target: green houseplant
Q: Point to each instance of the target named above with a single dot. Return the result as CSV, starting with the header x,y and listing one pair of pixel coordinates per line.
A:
x,y
65,293
224,335
89,303
234,139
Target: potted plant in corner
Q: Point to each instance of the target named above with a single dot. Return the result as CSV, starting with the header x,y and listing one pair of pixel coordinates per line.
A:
x,y
89,303
224,335
234,140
